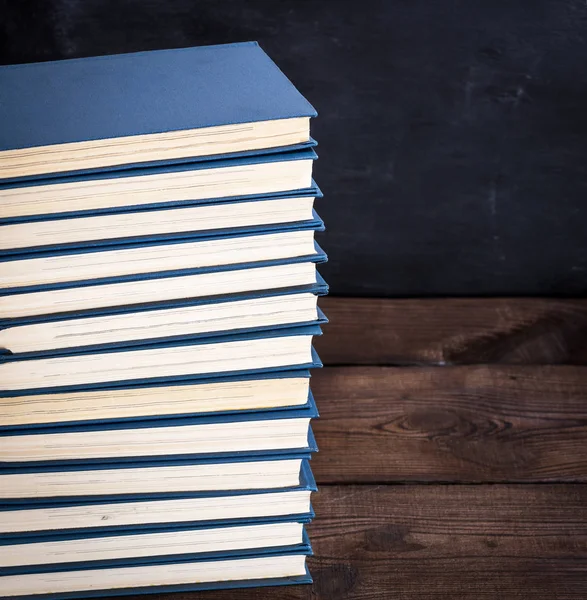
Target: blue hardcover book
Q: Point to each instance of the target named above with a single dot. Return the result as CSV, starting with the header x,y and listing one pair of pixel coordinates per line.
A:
x,y
226,435
156,259
179,226
165,186
205,220
146,325
132,292
40,520
115,112
312,191
75,551
248,392
317,286
155,329
242,354
107,482
278,567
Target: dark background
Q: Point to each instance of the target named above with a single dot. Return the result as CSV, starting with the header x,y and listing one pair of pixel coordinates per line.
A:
x,y
453,133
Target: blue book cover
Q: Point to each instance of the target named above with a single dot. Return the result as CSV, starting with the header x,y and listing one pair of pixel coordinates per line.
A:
x,y
144,570
308,411
180,588
145,343
317,257
315,224
179,556
277,374
141,94
96,472
313,191
160,289
77,186
162,526
179,414
50,444
158,510
192,377
319,288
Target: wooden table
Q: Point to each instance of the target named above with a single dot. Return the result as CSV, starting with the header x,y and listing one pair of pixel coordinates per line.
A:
x,y
453,453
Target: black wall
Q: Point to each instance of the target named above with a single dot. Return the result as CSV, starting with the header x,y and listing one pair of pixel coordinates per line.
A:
x,y
453,133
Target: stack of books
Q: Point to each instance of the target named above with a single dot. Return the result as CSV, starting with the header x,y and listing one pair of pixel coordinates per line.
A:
x,y
157,306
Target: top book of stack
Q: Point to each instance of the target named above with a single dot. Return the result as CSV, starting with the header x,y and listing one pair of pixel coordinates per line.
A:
x,y
146,109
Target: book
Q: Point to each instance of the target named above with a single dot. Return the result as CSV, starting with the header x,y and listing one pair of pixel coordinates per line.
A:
x,y
312,283
155,259
146,108
42,518
172,185
39,215
245,214
81,332
161,289
149,479
285,567
107,549
216,395
175,358
264,432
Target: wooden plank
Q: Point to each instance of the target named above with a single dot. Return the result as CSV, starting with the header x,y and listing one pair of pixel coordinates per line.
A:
x,y
495,423
451,542
454,331
442,542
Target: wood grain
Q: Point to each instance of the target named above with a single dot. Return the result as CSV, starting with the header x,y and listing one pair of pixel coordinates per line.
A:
x,y
497,423
442,542
454,331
